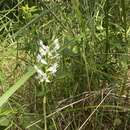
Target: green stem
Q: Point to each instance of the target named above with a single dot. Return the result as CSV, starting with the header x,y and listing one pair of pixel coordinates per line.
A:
x,y
44,110
44,105
107,27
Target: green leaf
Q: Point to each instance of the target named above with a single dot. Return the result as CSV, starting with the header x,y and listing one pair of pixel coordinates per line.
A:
x,y
6,112
63,74
4,121
4,98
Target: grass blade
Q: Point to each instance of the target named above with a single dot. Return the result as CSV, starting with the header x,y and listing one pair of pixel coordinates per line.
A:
x,y
4,98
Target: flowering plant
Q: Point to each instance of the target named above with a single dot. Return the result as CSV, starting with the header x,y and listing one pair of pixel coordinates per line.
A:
x,y
49,57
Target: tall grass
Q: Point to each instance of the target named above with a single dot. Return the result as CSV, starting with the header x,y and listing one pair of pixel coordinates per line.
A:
x,y
91,87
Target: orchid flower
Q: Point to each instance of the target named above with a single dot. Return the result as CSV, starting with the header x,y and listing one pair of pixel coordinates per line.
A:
x,y
40,59
53,68
47,56
41,75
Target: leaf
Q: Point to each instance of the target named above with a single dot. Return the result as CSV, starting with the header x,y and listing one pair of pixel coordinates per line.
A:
x,y
63,74
4,121
2,77
117,122
4,98
5,112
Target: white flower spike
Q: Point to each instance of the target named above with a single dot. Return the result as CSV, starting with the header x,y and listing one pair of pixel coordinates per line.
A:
x,y
47,56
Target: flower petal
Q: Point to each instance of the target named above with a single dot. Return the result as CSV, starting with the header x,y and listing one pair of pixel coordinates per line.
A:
x,y
56,44
43,62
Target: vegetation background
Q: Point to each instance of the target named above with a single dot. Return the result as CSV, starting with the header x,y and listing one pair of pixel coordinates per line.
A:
x,y
90,90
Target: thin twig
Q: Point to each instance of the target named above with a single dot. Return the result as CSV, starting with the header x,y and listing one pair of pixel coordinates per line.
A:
x,y
94,110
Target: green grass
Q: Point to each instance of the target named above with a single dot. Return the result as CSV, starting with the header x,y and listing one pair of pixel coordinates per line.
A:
x,y
91,87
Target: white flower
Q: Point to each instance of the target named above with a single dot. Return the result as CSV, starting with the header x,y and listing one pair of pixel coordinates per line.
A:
x,y
56,45
42,52
53,68
50,54
39,71
43,62
41,75
40,42
40,59
44,78
43,49
47,55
